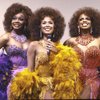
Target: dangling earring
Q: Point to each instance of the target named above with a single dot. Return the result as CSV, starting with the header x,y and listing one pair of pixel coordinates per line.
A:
x,y
79,30
41,34
91,31
53,35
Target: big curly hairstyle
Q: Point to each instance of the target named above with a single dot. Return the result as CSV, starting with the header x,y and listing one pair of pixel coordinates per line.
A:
x,y
13,10
35,21
95,19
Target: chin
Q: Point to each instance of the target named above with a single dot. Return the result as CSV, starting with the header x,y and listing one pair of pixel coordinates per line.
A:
x,y
48,33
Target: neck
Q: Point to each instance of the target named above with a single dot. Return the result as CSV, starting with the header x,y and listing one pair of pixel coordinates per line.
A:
x,y
19,32
85,32
44,38
48,36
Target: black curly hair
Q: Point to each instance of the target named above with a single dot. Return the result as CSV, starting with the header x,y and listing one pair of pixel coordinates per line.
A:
x,y
13,10
35,21
94,15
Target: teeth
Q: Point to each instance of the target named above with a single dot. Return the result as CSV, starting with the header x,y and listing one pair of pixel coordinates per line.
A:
x,y
47,29
16,25
85,24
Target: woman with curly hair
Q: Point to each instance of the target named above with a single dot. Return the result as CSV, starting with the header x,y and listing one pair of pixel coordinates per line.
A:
x,y
52,71
15,42
84,28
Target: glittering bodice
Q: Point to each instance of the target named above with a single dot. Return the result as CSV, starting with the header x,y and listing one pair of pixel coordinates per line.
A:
x,y
41,58
17,55
90,58
90,61
41,63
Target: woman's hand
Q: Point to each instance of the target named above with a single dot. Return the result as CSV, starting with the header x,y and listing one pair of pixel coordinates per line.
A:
x,y
50,46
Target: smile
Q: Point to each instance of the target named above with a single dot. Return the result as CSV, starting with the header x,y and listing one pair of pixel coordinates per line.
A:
x,y
85,24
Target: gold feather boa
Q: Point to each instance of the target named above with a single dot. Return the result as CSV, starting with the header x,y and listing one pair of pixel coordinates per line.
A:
x,y
64,66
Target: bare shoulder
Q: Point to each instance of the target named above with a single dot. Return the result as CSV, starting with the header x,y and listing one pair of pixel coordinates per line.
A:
x,y
68,41
72,39
5,36
98,40
33,45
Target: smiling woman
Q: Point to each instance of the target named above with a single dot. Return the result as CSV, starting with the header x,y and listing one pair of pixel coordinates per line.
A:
x,y
84,29
47,25
15,42
18,21
84,22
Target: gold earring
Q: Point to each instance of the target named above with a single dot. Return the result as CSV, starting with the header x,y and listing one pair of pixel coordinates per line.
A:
x,y
79,30
91,31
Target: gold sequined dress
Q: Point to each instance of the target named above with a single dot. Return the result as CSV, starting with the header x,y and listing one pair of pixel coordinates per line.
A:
x,y
57,72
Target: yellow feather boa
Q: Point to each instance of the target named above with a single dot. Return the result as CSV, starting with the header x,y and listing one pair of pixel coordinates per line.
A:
x,y
24,85
64,66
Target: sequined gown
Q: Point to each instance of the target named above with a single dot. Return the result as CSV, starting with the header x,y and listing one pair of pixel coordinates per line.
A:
x,y
15,57
89,73
57,72
90,60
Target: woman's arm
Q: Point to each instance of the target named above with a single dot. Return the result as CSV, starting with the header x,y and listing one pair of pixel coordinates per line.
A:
x,y
3,40
31,53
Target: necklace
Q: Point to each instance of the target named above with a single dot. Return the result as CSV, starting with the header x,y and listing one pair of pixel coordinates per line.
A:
x,y
20,38
84,39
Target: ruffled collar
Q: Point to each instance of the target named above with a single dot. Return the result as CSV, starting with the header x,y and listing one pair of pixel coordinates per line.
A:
x,y
20,38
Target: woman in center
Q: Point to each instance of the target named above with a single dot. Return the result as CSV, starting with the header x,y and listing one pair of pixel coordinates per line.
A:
x,y
52,71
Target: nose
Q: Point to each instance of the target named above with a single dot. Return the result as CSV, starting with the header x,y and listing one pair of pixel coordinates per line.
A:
x,y
47,25
84,20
